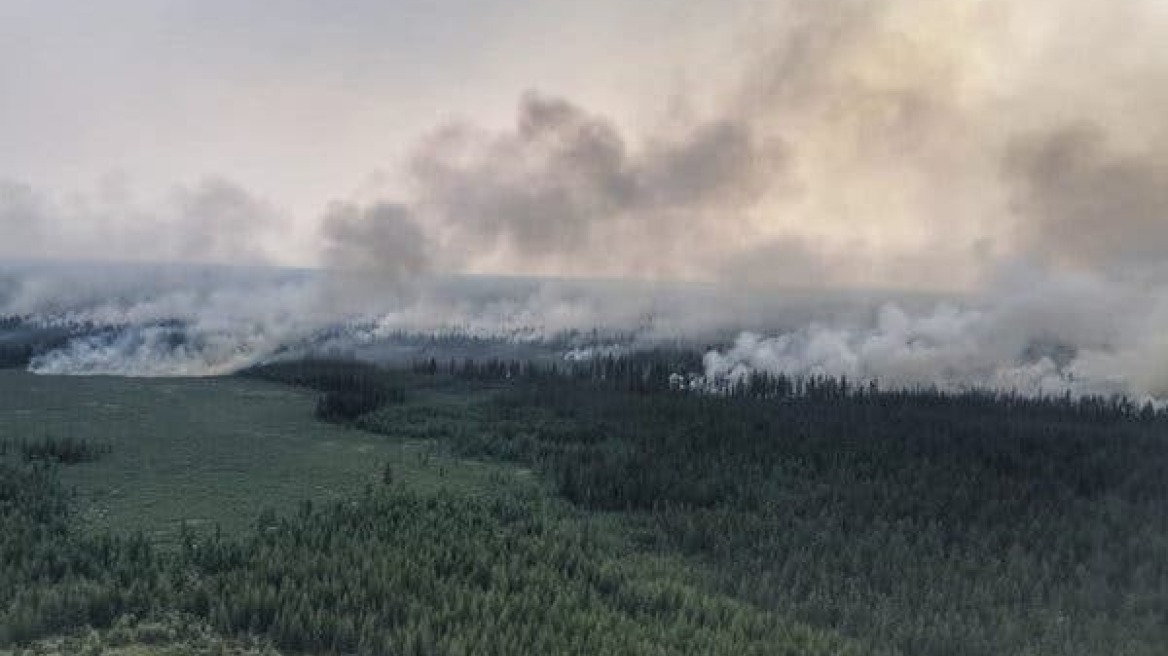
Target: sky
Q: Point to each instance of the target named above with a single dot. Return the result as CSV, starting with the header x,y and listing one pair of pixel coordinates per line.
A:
x,y
905,143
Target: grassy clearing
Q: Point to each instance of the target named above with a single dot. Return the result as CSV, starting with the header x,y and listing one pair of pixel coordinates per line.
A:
x,y
215,451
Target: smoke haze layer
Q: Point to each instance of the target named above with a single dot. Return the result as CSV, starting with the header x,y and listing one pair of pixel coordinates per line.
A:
x,y
1005,162
1032,333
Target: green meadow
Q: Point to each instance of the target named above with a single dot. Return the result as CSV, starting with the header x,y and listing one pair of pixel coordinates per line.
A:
x,y
217,451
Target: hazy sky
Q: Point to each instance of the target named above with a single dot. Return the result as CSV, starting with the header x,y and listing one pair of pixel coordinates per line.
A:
x,y
907,142
301,101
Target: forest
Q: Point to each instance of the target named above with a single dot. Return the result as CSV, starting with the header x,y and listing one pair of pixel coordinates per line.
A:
x,y
774,516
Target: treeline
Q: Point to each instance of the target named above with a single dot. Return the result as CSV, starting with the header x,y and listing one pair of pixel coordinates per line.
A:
x,y
65,450
14,355
20,342
21,339
351,388
765,385
465,339
662,370
639,371
387,572
483,370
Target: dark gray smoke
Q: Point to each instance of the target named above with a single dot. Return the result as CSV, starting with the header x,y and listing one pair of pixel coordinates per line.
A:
x,y
565,192
219,221
372,254
1090,205
381,238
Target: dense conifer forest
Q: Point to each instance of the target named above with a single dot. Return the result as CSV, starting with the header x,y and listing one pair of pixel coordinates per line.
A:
x,y
771,516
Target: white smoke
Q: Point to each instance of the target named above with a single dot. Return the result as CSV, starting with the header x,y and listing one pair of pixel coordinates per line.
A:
x,y
1030,332
157,320
157,351
1031,335
154,320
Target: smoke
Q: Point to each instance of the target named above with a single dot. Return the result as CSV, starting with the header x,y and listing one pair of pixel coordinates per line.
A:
x,y
1091,205
204,320
21,217
1070,334
373,254
848,145
160,350
152,320
904,144
219,221
564,188
901,144
211,221
380,239
1033,331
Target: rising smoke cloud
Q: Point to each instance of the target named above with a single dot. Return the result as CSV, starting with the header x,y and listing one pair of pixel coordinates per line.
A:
x,y
904,144
1089,205
1009,156
556,193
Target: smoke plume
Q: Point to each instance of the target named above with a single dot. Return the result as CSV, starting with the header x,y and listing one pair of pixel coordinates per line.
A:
x,y
1057,337
1003,164
900,144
